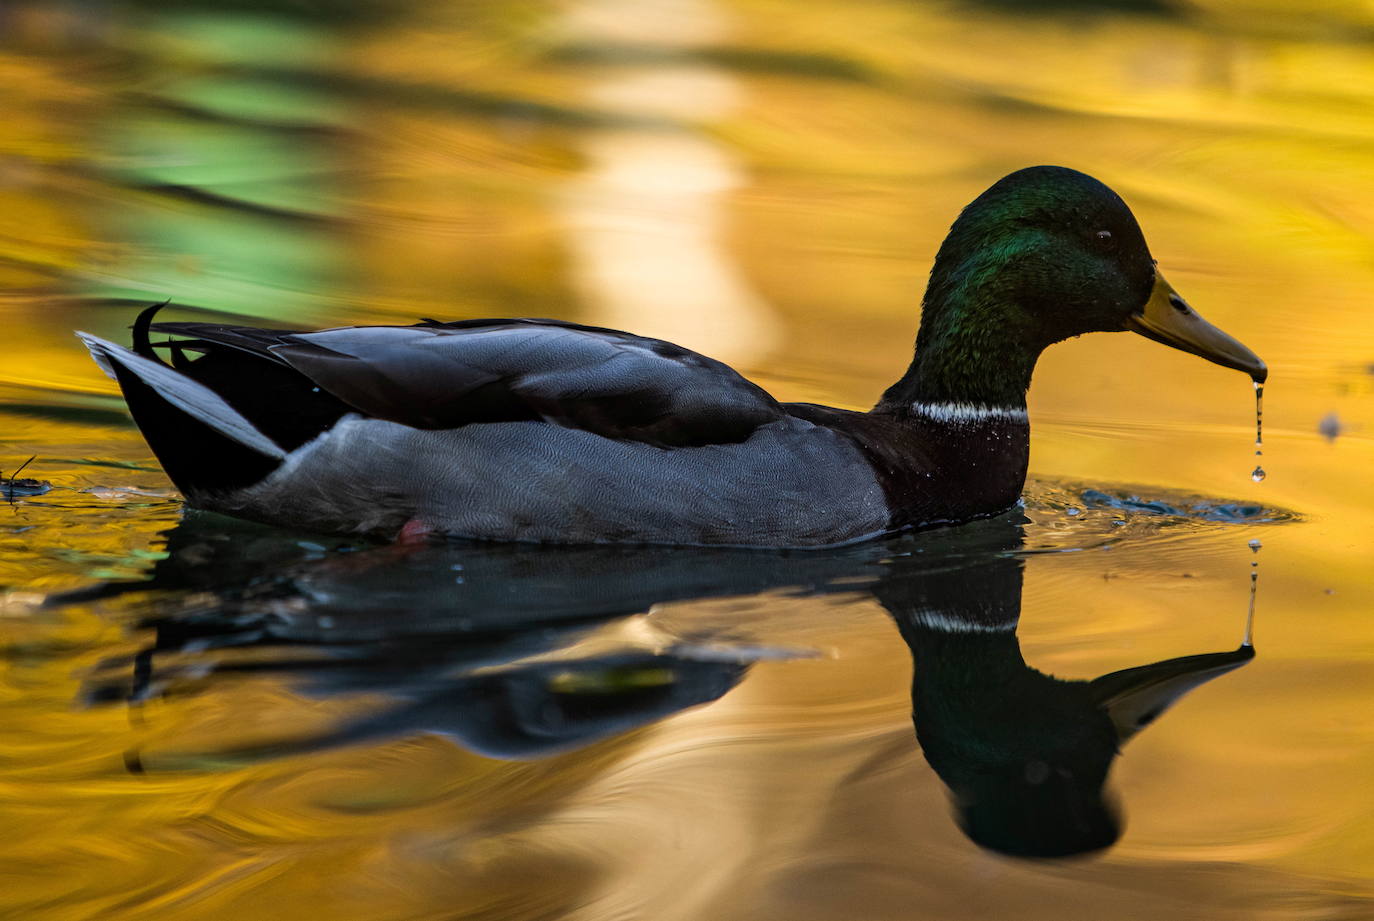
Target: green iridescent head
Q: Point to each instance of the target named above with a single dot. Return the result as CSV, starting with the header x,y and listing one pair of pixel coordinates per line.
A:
x,y
1044,254
1050,250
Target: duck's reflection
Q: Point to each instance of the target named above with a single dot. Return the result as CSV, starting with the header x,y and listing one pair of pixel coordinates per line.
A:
x,y
1024,754
488,644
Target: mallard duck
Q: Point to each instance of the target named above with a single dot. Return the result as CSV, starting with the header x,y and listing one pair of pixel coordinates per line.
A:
x,y
542,430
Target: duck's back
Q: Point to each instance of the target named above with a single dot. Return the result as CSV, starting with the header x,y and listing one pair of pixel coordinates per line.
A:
x,y
500,429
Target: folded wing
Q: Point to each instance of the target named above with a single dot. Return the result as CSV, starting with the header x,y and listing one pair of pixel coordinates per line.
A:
x,y
447,375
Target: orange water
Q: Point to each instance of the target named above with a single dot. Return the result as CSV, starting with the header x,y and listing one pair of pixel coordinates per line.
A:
x,y
766,182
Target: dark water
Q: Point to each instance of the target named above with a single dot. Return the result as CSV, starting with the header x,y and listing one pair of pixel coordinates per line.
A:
x,y
206,719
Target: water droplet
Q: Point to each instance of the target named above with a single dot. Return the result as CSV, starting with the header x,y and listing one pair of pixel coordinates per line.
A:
x,y
1254,544
1257,474
1330,427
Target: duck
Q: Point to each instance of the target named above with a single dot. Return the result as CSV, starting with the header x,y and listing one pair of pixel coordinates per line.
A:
x,y
547,431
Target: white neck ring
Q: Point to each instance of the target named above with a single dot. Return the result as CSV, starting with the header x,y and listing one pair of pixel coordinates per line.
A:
x,y
969,412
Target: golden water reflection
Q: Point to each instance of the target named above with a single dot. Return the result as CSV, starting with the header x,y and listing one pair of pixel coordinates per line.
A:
x,y
385,161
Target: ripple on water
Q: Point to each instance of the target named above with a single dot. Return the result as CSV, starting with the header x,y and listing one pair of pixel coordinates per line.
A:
x,y
1074,516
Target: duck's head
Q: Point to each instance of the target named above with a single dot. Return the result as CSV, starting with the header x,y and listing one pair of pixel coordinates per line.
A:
x,y
1047,253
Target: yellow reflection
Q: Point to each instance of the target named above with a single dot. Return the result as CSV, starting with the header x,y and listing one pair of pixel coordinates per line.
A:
x,y
816,155
646,219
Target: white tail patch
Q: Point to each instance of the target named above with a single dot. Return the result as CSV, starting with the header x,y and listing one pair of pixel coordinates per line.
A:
x,y
192,398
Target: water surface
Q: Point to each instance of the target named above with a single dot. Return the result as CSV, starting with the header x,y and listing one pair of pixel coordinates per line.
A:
x,y
207,719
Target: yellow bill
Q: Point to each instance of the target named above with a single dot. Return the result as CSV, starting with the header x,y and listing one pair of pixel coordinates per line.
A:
x,y
1167,318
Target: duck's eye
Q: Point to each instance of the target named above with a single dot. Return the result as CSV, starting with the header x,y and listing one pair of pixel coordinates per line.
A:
x,y
1104,236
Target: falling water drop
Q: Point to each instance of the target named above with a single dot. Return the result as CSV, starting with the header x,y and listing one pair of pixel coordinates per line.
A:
x,y
1258,473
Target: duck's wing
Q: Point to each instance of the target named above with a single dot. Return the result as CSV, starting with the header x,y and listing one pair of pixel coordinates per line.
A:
x,y
446,375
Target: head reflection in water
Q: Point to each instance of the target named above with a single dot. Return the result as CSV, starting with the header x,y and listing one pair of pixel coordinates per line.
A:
x,y
490,658
1024,754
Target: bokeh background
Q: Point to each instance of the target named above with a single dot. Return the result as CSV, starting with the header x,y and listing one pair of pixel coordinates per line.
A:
x,y
765,181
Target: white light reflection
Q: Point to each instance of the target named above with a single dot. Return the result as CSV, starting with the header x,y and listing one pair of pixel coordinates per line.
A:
x,y
646,221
